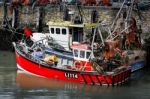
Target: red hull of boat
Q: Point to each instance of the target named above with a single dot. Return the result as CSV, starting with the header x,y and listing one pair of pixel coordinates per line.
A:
x,y
69,75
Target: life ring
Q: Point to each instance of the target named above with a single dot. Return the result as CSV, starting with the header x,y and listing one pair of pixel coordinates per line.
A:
x,y
78,65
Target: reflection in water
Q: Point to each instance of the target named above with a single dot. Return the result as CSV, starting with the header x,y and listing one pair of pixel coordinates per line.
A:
x,y
25,80
54,88
19,85
31,81
137,75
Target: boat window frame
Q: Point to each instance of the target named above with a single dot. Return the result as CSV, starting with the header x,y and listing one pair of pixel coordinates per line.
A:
x,y
53,30
64,33
57,31
78,54
74,53
84,54
87,57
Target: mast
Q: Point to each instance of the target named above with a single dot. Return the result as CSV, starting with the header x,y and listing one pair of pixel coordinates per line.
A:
x,y
129,13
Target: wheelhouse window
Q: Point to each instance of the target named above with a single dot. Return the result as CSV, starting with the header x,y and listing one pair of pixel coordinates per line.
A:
x,y
82,54
88,54
64,31
57,30
52,30
76,52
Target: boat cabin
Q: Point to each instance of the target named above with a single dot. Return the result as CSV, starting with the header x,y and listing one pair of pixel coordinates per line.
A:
x,y
64,33
81,55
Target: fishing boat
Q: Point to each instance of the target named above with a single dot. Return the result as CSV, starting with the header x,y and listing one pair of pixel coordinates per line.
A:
x,y
73,73
70,59
69,53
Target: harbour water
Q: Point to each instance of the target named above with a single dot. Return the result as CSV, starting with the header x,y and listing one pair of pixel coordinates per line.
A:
x,y
18,85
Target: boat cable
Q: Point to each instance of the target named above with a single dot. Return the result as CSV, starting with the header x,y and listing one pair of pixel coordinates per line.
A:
x,y
126,26
112,26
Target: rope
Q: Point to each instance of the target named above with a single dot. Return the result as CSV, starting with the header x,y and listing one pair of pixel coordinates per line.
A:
x,y
128,15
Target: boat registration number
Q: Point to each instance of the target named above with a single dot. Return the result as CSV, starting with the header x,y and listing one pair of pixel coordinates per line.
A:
x,y
71,75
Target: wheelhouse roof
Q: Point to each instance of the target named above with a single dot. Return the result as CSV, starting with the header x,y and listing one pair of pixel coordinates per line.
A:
x,y
70,24
85,47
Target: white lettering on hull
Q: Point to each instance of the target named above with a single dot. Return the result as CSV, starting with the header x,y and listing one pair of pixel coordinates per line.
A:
x,y
71,75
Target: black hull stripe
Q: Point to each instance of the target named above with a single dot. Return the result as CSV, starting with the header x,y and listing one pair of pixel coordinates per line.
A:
x,y
98,80
91,80
84,78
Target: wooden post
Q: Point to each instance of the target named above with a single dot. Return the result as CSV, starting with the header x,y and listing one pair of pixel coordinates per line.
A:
x,y
40,18
5,15
15,17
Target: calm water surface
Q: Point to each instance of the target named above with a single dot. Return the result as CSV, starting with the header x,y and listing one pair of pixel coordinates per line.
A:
x,y
18,85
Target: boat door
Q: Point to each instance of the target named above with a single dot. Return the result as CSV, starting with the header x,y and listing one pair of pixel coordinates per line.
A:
x,y
77,34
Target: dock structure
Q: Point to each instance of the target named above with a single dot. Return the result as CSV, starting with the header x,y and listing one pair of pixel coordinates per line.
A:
x,y
37,18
